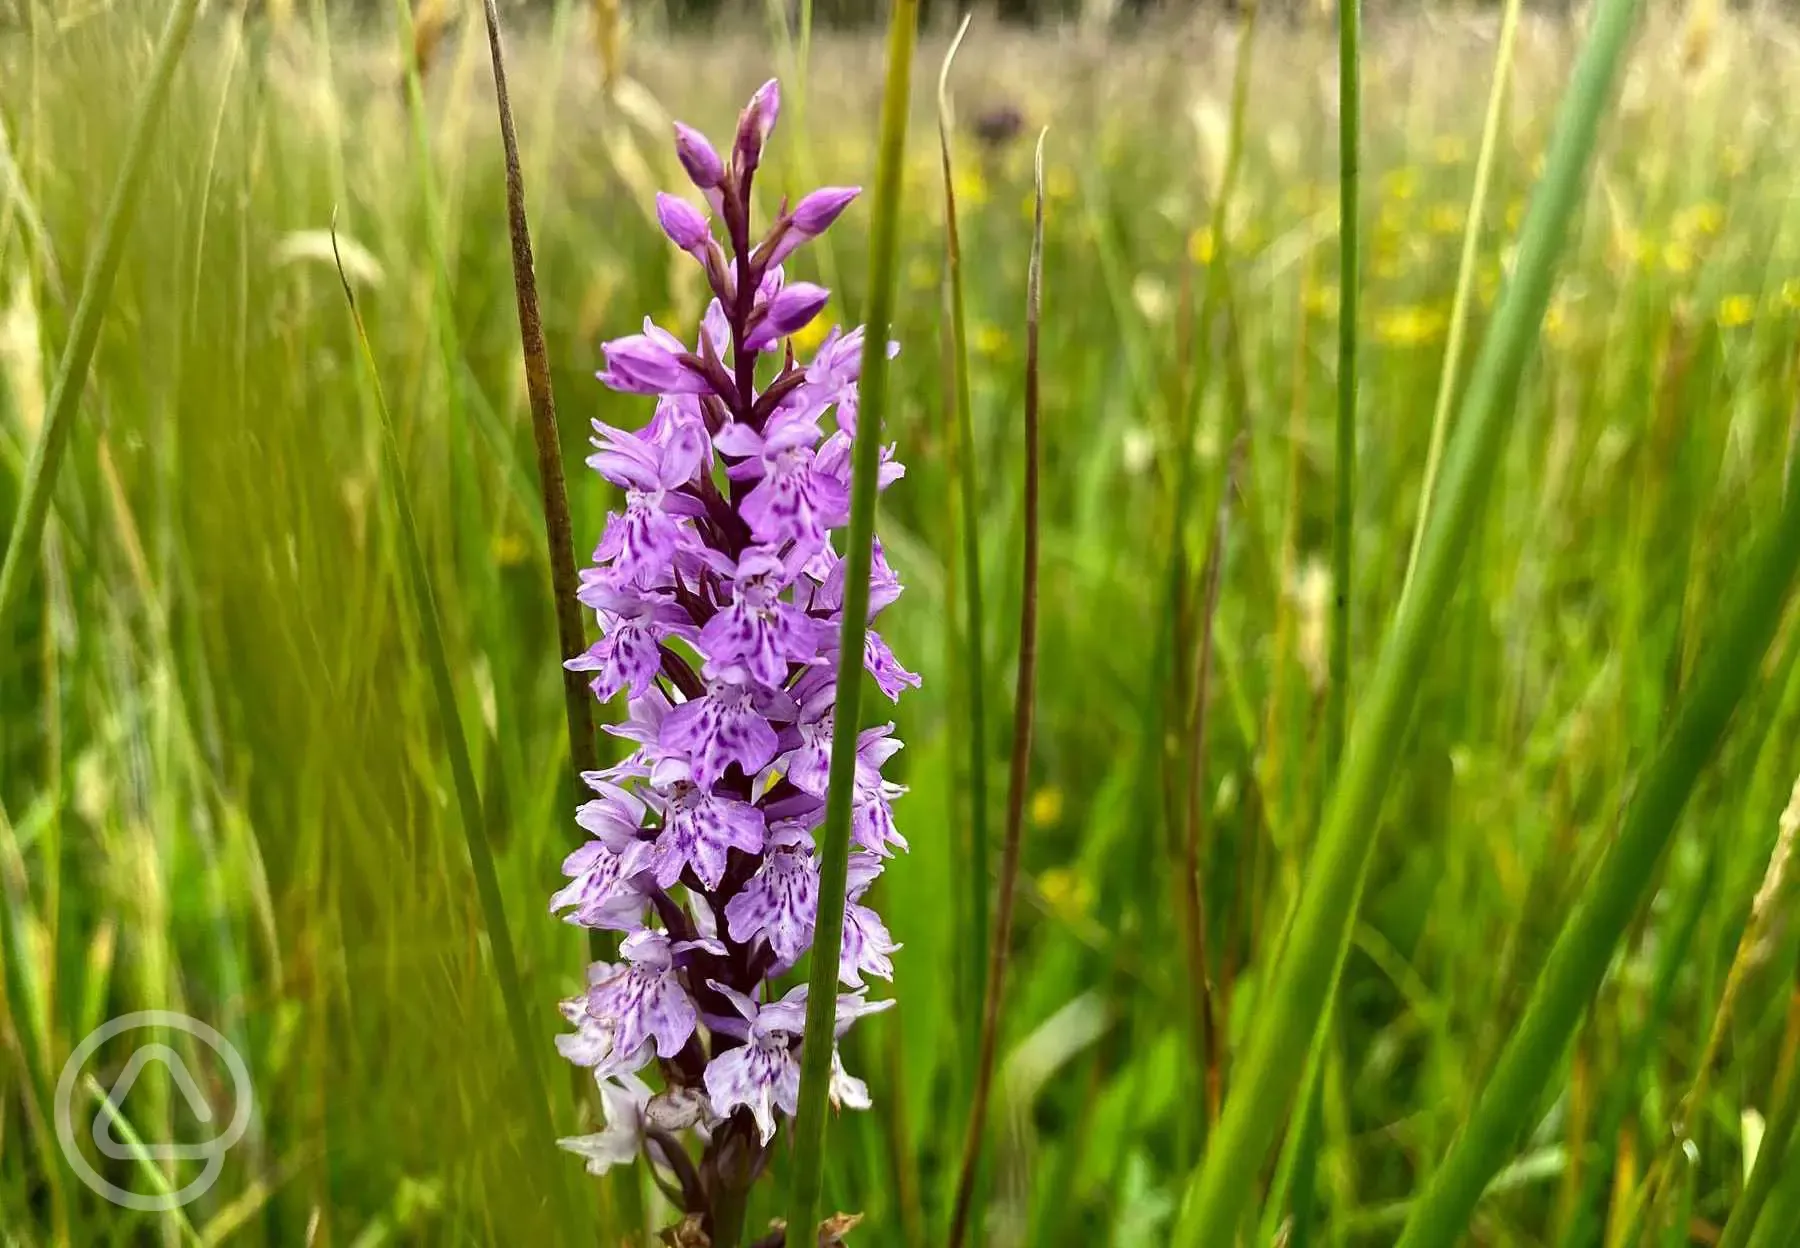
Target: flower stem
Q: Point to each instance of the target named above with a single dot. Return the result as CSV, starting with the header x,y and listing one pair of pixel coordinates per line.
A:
x,y
558,529
834,851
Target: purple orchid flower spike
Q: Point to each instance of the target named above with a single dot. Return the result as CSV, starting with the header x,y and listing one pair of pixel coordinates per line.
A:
x,y
719,597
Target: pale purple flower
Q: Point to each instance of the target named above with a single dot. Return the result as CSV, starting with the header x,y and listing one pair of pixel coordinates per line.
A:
x,y
644,1000
728,724
811,217
763,1074
866,943
793,500
781,902
790,311
700,828
871,810
624,1099
889,676
633,626
758,630
649,363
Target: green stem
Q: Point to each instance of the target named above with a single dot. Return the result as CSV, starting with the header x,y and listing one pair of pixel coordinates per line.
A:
x,y
90,308
1342,539
1305,976
834,845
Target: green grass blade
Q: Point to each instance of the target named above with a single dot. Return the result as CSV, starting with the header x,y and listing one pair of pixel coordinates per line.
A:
x,y
1777,1218
1583,949
468,798
973,663
90,308
834,845
1306,974
1465,279
153,1173
1768,1172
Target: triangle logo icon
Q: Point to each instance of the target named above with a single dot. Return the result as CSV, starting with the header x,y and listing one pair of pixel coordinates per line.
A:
x,y
107,1141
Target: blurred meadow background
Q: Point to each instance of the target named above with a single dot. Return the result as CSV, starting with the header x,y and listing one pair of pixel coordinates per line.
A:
x,y
222,785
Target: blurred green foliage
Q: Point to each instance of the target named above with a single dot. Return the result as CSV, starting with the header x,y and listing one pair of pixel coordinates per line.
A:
x,y
220,784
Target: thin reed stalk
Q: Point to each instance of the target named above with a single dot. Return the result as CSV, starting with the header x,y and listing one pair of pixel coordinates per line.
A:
x,y
90,308
1304,977
974,662
558,528
1194,909
834,843
1019,773
1465,279
1343,543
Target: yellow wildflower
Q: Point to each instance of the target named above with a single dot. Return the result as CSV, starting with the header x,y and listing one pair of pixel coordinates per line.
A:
x,y
1703,220
1445,217
1736,311
510,550
970,186
807,338
1678,257
1066,894
1401,183
1409,326
1558,331
1046,806
991,340
1200,245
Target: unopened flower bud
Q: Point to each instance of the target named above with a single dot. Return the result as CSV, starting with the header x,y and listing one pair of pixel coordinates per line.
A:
x,y
788,312
754,125
698,157
685,224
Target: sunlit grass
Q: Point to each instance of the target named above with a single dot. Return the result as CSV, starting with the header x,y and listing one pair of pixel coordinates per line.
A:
x,y
222,787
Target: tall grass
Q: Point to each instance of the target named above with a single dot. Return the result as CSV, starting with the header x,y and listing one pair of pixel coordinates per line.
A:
x,y
223,785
